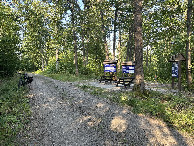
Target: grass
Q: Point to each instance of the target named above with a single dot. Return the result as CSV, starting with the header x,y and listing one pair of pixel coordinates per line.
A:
x,y
175,110
14,110
67,76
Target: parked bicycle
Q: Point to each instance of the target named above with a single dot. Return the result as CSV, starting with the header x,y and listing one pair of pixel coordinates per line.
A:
x,y
24,79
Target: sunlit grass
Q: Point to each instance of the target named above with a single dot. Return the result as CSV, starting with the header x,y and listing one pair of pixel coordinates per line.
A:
x,y
175,110
67,76
14,110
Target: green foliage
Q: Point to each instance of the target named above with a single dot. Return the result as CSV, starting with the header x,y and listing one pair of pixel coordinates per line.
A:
x,y
46,27
9,40
14,110
179,112
175,110
66,65
66,76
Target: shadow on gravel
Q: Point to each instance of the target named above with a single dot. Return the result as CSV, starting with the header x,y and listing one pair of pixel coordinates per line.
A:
x,y
118,126
178,137
78,118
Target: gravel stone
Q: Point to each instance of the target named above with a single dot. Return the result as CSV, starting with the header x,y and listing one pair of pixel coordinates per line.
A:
x,y
65,115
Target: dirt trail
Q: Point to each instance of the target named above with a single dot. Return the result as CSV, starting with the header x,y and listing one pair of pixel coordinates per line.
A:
x,y
63,114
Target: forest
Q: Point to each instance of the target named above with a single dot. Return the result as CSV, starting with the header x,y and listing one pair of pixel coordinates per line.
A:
x,y
61,41
76,36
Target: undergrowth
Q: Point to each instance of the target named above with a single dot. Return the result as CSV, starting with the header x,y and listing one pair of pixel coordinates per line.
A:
x,y
14,110
175,110
67,76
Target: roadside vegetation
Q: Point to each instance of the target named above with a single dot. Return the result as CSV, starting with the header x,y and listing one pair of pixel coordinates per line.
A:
x,y
55,39
175,110
14,110
66,76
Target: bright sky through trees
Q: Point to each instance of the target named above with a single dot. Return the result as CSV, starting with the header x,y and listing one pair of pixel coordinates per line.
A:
x,y
47,29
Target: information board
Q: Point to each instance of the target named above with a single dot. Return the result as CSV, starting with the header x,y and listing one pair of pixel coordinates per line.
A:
x,y
110,68
175,69
128,68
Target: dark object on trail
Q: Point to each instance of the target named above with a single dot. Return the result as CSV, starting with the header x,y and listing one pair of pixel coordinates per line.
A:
x,y
29,80
24,80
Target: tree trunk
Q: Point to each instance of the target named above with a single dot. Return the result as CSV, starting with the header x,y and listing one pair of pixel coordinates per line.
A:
x,y
129,45
119,48
84,50
128,55
147,55
188,44
74,38
42,57
139,74
114,35
87,56
57,59
85,47
104,35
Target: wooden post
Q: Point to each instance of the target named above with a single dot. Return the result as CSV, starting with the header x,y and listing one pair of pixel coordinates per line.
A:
x,y
104,69
116,73
179,73
177,58
172,82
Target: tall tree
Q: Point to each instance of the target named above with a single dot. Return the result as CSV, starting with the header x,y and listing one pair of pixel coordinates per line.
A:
x,y
73,21
139,74
115,29
119,49
188,43
9,40
104,32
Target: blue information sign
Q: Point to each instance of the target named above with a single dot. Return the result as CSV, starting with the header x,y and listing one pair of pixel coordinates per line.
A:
x,y
175,70
128,68
110,68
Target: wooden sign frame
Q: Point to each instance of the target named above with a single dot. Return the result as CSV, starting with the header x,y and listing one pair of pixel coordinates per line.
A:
x,y
177,58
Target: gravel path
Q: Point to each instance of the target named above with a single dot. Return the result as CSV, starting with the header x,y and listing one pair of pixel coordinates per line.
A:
x,y
64,115
163,88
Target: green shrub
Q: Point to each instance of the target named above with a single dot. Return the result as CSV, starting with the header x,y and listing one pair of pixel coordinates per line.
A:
x,y
175,110
14,110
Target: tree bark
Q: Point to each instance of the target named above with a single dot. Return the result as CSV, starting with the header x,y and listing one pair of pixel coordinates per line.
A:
x,y
104,35
86,31
119,48
139,74
42,57
147,55
128,56
129,45
74,38
115,30
57,58
84,50
188,44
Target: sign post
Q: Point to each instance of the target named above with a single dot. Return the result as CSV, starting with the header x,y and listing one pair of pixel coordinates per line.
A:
x,y
110,67
175,72
179,78
176,68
